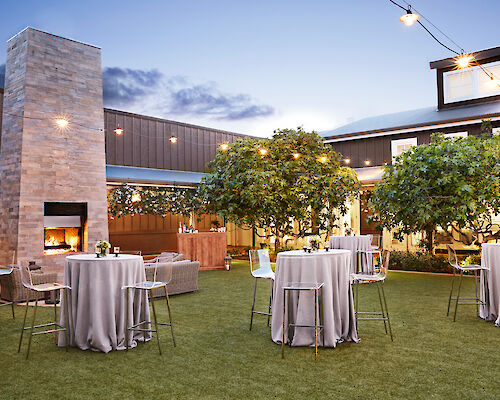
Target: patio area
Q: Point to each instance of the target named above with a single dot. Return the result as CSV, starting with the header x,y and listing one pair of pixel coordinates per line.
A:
x,y
218,357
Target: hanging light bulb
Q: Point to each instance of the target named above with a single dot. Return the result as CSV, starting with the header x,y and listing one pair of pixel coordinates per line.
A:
x,y
224,146
62,123
173,139
323,159
409,18
296,156
347,161
136,197
118,131
263,151
463,61
367,162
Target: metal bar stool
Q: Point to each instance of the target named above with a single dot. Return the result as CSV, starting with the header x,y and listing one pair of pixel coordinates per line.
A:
x,y
453,261
43,288
378,279
317,288
373,251
4,271
260,268
148,287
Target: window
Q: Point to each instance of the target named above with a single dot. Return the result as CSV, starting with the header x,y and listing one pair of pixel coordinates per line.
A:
x,y
471,83
456,134
401,145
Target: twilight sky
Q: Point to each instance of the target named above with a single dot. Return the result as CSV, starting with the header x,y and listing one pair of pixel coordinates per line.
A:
x,y
255,66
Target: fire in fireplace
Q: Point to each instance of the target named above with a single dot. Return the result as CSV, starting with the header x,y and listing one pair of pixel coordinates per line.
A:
x,y
64,227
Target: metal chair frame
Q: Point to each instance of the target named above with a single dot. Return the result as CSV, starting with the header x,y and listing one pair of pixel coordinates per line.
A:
x,y
265,254
148,287
379,279
375,251
317,288
453,261
43,288
3,272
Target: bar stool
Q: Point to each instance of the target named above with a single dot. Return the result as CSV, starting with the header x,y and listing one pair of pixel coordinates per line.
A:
x,y
374,250
476,300
317,288
148,287
4,271
260,268
43,288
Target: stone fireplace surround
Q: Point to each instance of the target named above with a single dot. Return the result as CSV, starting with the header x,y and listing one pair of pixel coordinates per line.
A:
x,y
48,77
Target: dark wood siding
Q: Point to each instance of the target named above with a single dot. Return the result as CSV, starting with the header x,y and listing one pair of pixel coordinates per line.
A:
x,y
145,142
377,149
1,112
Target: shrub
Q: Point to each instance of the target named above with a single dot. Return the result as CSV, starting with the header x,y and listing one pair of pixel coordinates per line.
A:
x,y
401,260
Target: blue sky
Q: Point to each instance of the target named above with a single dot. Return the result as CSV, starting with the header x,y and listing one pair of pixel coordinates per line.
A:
x,y
255,66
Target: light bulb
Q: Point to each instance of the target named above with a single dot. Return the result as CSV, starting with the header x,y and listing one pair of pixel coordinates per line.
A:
x,y
62,123
224,146
463,61
118,131
173,139
296,155
409,18
263,151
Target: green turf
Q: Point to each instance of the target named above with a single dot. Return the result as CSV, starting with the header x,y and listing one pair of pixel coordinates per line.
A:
x,y
217,357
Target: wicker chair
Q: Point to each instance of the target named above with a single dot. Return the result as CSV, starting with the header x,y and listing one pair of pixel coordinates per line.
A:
x,y
18,293
184,277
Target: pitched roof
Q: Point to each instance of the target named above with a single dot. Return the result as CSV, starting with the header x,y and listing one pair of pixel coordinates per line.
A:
x,y
415,118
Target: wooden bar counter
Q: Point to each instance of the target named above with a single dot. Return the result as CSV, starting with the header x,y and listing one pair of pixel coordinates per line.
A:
x,y
209,248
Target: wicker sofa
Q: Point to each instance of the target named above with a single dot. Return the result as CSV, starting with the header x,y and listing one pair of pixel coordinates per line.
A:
x,y
17,292
184,277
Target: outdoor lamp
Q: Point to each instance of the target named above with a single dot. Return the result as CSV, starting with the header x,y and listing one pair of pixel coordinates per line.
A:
x,y
227,262
409,18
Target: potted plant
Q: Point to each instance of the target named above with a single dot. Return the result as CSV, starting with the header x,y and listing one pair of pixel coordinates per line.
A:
x,y
102,246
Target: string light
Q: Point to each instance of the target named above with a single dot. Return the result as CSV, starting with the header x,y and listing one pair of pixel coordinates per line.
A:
x,y
62,123
296,156
463,61
409,18
173,139
323,159
136,197
367,162
224,146
118,131
347,161
263,151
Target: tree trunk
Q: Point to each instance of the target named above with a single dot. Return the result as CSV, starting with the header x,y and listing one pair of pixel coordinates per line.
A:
x,y
429,240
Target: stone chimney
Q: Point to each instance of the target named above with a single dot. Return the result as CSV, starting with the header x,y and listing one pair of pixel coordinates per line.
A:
x,y
41,165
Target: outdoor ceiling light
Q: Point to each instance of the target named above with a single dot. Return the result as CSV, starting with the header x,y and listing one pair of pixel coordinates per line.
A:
x,y
62,123
409,18
173,139
262,151
224,146
463,60
118,131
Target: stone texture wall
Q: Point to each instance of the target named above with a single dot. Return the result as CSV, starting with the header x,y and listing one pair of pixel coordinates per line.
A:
x,y
49,77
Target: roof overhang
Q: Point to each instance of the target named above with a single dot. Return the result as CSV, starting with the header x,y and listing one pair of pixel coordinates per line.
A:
x,y
117,174
369,175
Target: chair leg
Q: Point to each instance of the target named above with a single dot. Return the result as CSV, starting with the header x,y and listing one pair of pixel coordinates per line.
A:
x,y
253,302
270,301
451,292
66,318
382,307
24,320
316,324
155,320
477,293
127,301
11,300
356,302
322,315
146,326
32,325
386,310
458,295
170,315
55,313
283,332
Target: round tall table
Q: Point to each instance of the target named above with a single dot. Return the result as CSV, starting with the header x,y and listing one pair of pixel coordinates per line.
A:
x,y
333,269
490,284
97,304
355,243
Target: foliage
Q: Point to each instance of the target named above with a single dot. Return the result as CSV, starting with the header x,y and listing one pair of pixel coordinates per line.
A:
x,y
451,183
260,183
424,262
132,200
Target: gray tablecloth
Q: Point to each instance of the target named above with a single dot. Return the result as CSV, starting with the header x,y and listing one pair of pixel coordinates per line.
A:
x,y
354,243
490,258
333,269
97,304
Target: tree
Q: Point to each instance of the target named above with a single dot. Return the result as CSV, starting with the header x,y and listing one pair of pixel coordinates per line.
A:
x,y
273,183
450,183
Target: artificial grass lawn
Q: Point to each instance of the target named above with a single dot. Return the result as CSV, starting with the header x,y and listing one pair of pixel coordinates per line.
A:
x,y
218,357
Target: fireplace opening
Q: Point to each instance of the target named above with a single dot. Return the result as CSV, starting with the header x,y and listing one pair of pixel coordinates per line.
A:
x,y
64,227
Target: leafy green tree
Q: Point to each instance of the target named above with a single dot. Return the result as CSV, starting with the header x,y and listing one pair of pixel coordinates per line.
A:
x,y
450,183
292,178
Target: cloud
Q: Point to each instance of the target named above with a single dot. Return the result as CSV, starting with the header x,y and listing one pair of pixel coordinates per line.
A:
x,y
2,75
150,90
